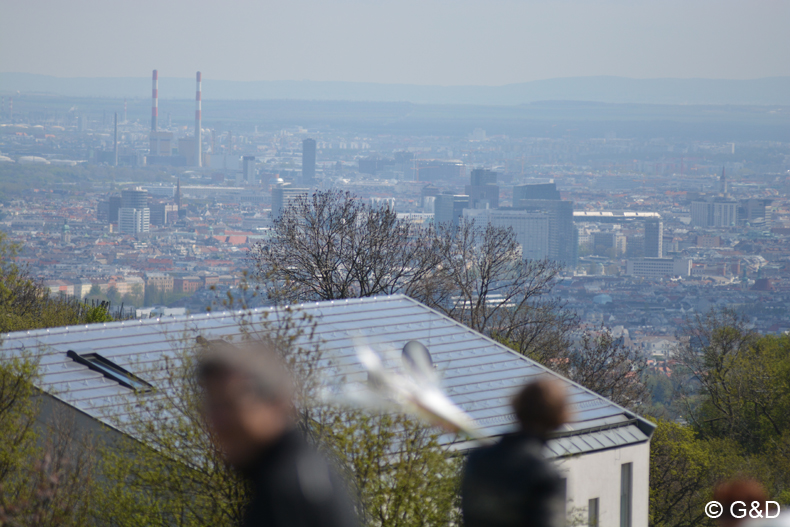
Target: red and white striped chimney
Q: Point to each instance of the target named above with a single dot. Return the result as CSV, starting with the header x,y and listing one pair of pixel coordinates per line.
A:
x,y
155,100
198,119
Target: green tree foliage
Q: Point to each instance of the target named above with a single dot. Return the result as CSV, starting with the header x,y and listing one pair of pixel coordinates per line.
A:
x,y
744,380
156,297
735,395
26,304
135,298
45,466
401,474
96,294
168,471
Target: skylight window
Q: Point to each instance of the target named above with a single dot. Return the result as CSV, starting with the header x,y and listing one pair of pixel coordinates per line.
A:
x,y
109,369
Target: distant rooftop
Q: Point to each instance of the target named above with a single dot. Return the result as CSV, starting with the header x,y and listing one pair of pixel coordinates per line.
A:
x,y
613,216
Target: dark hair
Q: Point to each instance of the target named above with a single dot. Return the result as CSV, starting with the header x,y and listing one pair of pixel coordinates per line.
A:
x,y
541,406
256,360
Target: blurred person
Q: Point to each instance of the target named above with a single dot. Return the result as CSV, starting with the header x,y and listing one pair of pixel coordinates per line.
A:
x,y
511,483
248,405
746,491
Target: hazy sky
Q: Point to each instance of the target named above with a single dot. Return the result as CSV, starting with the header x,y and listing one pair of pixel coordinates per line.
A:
x,y
397,41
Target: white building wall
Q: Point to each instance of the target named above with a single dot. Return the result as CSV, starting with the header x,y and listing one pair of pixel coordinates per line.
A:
x,y
725,214
597,475
133,221
531,229
658,267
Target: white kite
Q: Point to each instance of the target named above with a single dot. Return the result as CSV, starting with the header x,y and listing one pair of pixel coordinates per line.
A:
x,y
416,392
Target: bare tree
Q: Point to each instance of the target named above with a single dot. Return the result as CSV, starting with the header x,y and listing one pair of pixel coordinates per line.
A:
x,y
331,245
606,365
484,282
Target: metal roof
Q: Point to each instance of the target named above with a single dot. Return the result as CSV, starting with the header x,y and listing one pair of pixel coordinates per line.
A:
x,y
478,374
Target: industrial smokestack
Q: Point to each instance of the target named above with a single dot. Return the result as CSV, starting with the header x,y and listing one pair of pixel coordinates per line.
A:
x,y
115,141
155,100
198,117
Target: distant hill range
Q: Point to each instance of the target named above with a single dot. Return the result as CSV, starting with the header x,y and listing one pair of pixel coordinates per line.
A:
x,y
766,91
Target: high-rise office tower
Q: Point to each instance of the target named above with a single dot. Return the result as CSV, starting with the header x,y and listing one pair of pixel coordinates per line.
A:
x,y
115,141
154,99
134,214
530,228
308,161
723,182
654,238
483,191
563,234
284,196
449,208
542,191
755,210
719,212
248,169
114,205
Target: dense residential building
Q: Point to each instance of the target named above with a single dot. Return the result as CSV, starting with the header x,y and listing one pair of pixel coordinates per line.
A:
x,y
658,267
160,281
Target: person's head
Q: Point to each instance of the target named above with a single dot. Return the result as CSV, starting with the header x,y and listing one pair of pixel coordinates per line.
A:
x,y
729,492
246,398
541,406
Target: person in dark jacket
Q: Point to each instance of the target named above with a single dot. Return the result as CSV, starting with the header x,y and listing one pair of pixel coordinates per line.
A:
x,y
511,483
248,406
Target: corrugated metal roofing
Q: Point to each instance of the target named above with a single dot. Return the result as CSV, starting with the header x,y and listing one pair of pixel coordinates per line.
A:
x,y
478,374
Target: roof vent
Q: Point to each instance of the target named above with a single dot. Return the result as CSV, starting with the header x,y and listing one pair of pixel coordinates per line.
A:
x,y
109,369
